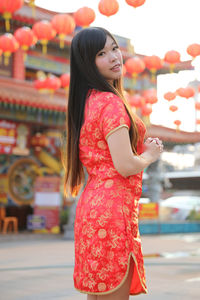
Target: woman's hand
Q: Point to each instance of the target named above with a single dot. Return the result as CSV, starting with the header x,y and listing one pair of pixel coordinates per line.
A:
x,y
153,149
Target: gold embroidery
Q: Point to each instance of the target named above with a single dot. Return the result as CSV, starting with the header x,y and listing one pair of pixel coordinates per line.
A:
x,y
109,183
101,286
102,233
115,129
122,282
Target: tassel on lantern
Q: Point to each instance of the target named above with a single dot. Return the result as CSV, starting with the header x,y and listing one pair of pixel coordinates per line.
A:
x,y
146,120
6,58
7,17
62,40
134,77
44,46
32,5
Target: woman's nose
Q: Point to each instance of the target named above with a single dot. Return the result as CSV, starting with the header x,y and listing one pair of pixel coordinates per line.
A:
x,y
112,56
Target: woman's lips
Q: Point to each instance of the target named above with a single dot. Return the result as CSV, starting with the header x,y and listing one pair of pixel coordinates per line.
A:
x,y
116,68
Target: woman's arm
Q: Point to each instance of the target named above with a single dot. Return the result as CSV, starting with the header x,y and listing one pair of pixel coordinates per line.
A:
x,y
124,160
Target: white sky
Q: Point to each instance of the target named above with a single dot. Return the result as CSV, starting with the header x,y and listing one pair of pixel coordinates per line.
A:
x,y
154,28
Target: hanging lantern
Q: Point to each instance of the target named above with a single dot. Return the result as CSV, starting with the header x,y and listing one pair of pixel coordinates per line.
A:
x,y
169,96
186,92
84,16
150,96
177,123
53,83
136,100
1,52
40,85
197,105
172,57
65,80
135,3
198,121
108,7
153,63
193,50
63,24
25,37
173,108
7,8
134,66
44,32
8,45
146,110
124,70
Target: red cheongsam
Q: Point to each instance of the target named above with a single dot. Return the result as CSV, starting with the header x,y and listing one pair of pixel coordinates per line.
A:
x,y
106,224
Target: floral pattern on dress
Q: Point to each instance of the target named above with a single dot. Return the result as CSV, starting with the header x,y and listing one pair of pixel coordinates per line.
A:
x,y
106,224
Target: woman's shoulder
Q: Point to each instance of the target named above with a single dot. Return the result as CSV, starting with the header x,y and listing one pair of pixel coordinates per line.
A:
x,y
104,98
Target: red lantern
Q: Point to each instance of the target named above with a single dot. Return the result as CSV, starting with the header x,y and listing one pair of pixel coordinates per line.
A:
x,y
193,50
146,110
189,92
7,8
135,3
63,24
53,83
108,7
44,32
177,123
153,63
40,85
8,45
197,105
65,81
150,96
169,96
134,66
198,121
124,70
25,37
136,100
173,108
186,92
172,57
84,16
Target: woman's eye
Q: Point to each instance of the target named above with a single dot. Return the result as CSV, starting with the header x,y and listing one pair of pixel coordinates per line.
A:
x,y
115,48
101,53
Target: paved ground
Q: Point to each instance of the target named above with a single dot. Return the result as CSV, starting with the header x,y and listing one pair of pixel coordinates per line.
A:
x,y
35,267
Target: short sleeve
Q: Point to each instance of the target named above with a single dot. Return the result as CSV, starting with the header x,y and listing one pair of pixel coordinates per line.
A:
x,y
113,115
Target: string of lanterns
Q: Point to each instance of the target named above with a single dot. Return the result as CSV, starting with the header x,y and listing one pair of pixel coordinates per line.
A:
x,y
63,25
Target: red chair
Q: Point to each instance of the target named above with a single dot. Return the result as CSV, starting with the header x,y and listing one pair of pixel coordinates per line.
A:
x,y
6,221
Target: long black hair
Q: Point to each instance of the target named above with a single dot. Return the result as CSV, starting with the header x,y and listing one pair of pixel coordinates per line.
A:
x,y
84,76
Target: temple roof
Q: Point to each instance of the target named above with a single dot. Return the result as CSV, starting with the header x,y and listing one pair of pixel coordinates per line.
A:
x,y
23,93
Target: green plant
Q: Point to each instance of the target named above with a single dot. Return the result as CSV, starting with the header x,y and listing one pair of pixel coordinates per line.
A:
x,y
64,215
194,215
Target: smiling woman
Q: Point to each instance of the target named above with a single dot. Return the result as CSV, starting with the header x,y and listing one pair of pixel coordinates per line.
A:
x,y
108,256
109,60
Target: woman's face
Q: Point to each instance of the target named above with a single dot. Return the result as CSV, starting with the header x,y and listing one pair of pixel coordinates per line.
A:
x,y
109,61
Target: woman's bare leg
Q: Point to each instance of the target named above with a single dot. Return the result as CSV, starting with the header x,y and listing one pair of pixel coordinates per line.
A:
x,y
91,297
123,292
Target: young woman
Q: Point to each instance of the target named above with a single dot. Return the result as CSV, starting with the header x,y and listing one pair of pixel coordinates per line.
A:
x,y
106,138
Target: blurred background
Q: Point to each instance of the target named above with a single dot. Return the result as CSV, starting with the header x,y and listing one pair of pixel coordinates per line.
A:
x,y
161,50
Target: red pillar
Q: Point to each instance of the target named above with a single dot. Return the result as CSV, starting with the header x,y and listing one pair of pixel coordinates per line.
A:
x,y
18,65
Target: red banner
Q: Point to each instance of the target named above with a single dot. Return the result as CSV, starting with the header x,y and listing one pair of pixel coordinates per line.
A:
x,y
8,136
